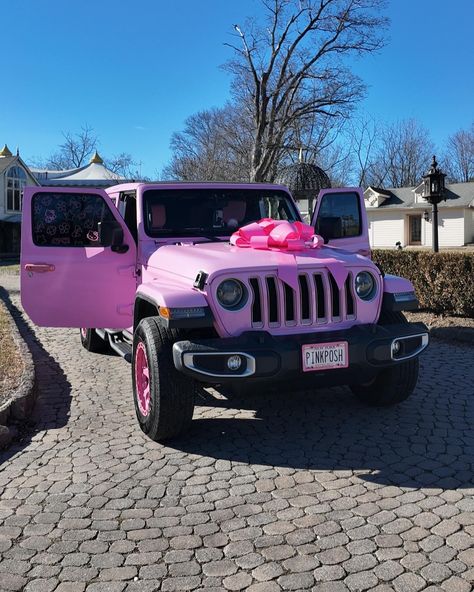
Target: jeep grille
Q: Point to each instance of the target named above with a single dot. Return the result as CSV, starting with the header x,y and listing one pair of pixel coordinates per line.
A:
x,y
316,301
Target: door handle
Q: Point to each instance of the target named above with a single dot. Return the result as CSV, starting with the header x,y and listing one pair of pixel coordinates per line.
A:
x,y
39,267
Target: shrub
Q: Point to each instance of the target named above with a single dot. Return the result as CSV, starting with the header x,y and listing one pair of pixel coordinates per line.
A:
x,y
444,282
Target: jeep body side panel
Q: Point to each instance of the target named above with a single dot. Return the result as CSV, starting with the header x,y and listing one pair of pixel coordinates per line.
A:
x,y
74,286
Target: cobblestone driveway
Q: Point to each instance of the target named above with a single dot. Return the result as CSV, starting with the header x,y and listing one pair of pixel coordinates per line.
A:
x,y
287,491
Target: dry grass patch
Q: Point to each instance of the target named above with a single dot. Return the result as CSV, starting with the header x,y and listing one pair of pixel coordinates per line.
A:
x,y
9,267
11,363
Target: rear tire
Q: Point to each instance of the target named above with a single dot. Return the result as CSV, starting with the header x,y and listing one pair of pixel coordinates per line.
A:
x,y
164,398
92,342
391,385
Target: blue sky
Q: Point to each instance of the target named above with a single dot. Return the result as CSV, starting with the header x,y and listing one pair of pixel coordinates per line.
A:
x,y
135,70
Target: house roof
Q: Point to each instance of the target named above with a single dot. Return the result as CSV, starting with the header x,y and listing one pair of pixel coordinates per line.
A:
x,y
7,161
458,195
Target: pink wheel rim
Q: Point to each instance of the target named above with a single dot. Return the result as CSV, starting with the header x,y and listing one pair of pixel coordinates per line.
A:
x,y
142,380
84,333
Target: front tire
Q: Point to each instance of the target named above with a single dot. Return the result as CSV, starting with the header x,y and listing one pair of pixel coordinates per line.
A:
x,y
164,398
391,385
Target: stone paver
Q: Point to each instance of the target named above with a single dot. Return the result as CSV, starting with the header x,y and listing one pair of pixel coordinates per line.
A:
x,y
270,492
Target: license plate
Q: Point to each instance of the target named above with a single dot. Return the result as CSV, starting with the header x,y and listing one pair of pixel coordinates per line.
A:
x,y
325,356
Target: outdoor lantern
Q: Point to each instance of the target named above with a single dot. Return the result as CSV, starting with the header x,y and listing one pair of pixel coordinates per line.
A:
x,y
433,192
426,216
433,186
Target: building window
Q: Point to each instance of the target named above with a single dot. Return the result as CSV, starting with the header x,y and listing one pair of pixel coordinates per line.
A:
x,y
16,181
415,230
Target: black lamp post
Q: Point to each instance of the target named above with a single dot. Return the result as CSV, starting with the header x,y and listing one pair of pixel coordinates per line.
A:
x,y
433,192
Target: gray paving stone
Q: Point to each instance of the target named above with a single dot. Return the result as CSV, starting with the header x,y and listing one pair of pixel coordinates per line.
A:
x,y
107,587
363,580
409,582
299,581
388,570
267,571
328,573
360,563
239,581
264,587
223,567
435,572
326,495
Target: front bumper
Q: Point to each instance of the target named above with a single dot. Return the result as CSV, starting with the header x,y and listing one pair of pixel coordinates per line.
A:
x,y
266,357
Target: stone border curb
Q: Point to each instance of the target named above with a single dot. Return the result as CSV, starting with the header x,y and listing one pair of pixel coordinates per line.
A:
x,y
21,401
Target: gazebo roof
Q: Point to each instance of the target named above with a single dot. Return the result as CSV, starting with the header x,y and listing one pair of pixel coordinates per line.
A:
x,y
302,177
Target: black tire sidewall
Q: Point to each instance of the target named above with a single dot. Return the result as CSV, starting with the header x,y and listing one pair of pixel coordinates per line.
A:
x,y
172,394
142,335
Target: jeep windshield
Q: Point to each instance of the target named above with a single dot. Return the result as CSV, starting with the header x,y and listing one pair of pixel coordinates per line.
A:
x,y
212,212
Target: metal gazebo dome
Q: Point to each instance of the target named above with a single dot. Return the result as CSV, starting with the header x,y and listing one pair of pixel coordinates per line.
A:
x,y
304,180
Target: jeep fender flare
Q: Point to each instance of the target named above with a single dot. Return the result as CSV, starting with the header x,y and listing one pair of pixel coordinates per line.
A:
x,y
398,294
150,297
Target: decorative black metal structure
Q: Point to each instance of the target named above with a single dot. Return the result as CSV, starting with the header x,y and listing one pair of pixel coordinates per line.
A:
x,y
304,180
433,192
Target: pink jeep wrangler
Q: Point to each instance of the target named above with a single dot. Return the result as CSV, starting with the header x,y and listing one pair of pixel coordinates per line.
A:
x,y
176,279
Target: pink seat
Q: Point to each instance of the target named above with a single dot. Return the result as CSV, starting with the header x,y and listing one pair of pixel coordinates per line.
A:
x,y
158,216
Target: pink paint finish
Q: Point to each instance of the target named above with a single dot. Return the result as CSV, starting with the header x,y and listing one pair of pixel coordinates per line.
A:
x,y
87,287
172,270
171,293
395,284
97,287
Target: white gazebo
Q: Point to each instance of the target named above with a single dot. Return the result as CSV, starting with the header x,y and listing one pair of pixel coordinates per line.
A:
x,y
94,174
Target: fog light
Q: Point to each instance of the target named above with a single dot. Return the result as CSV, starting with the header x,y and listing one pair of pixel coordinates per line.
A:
x,y
396,347
234,362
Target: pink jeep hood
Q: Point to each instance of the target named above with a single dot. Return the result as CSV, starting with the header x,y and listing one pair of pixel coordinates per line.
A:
x,y
187,260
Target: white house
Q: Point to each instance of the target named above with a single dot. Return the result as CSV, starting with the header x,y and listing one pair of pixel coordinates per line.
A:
x,y
14,176
403,215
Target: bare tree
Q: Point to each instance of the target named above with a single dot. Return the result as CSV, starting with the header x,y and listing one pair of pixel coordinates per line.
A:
x,y
403,155
75,151
317,140
363,135
213,146
123,164
459,157
292,67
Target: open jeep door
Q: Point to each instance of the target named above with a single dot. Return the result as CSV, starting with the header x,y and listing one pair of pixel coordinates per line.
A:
x,y
78,259
340,218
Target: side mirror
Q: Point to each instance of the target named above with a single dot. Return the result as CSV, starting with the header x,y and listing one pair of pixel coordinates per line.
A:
x,y
111,235
117,237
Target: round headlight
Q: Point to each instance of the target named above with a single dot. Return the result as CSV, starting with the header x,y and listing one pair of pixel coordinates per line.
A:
x,y
230,293
365,285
